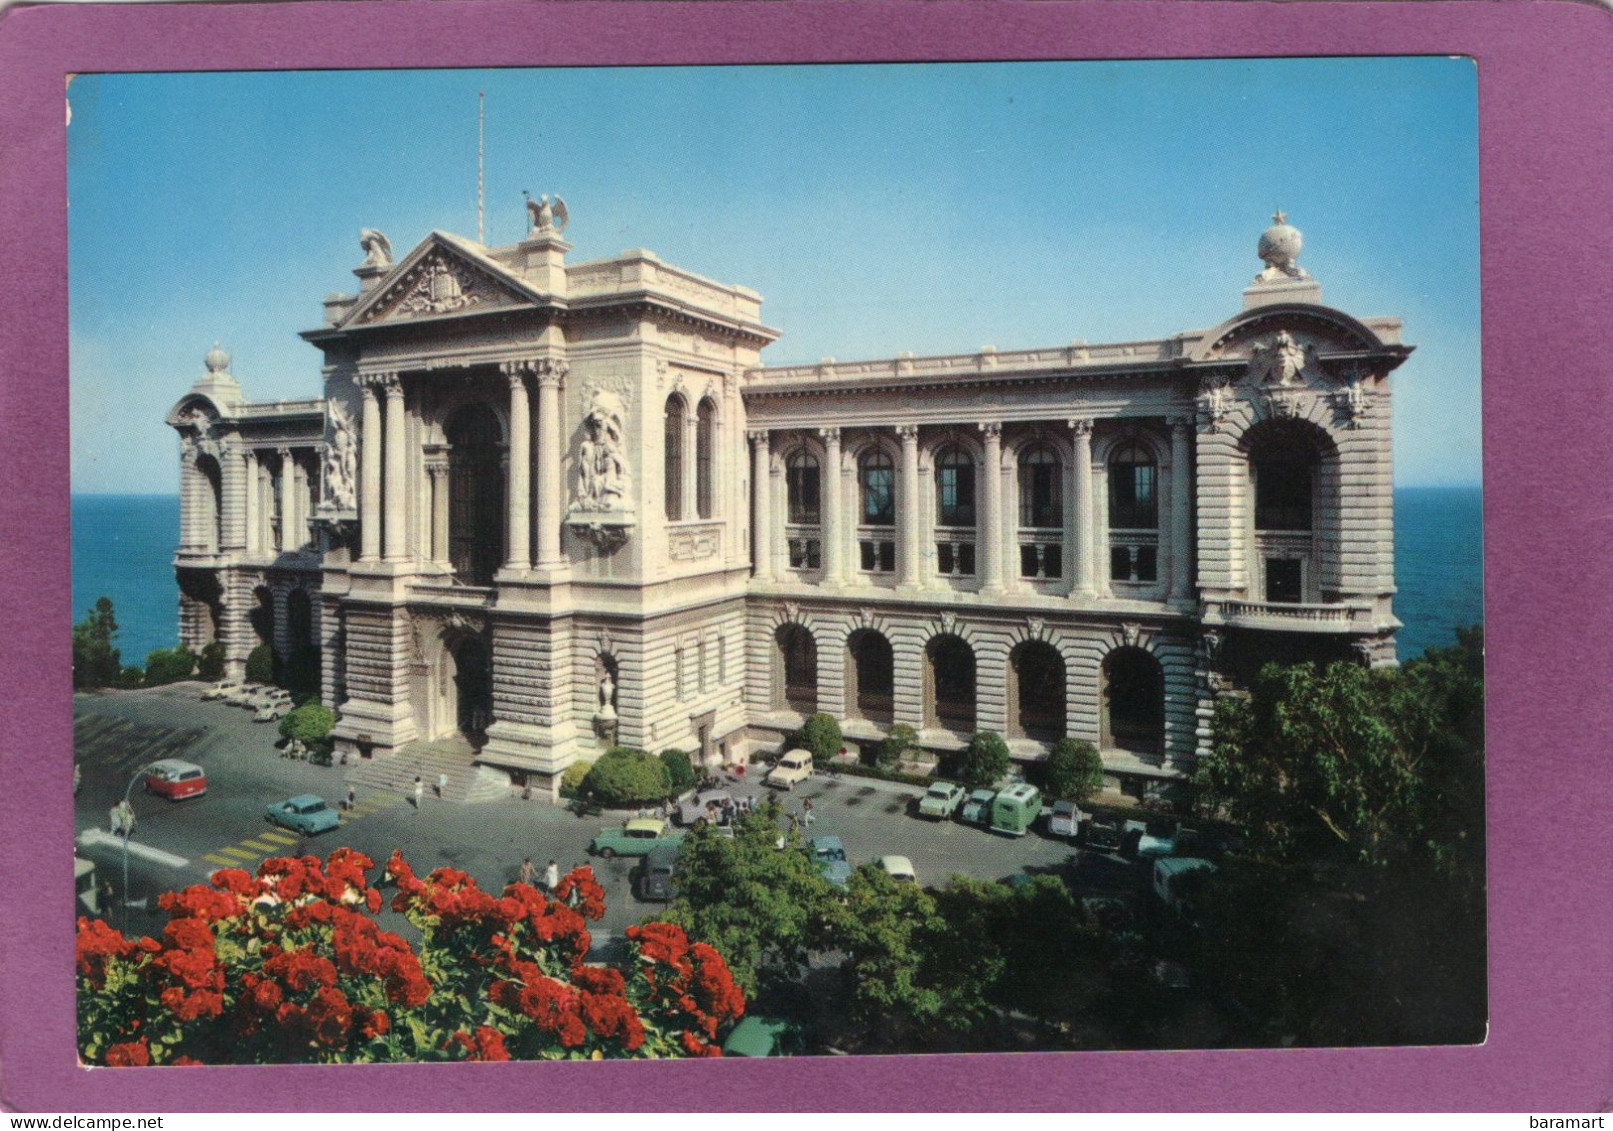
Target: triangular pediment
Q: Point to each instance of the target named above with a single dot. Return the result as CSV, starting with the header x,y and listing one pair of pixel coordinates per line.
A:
x,y
440,278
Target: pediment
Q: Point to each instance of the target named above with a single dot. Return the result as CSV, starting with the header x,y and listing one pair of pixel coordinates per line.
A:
x,y
439,279
1314,331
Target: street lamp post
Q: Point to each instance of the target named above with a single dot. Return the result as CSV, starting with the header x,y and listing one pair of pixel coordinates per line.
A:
x,y
128,827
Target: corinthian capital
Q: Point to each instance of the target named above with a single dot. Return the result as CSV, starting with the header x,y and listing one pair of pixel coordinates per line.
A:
x,y
908,431
829,435
551,371
991,430
1081,426
759,437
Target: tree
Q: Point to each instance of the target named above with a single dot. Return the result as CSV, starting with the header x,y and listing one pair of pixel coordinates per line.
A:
x,y
169,665
96,663
1074,770
901,742
625,776
763,906
821,735
210,664
311,722
679,771
985,760
260,665
291,966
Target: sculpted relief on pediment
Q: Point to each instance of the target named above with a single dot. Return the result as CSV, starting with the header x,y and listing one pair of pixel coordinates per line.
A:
x,y
438,284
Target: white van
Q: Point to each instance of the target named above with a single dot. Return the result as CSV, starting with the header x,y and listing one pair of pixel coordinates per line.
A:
x,y
1169,870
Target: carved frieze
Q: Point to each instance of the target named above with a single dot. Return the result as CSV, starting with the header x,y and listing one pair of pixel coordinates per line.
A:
x,y
693,545
438,284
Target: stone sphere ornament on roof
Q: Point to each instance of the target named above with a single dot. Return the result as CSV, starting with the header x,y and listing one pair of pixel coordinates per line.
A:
x,y
1279,248
217,360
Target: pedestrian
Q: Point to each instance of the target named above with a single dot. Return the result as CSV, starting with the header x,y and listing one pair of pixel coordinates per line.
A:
x,y
419,792
352,798
529,872
806,810
551,877
442,785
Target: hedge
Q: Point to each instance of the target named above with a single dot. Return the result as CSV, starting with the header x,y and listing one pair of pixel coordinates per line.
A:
x,y
169,665
986,760
260,665
901,741
680,771
210,664
861,770
626,776
571,780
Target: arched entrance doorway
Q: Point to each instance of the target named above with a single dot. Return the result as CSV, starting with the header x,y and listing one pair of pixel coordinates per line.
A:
x,y
302,663
870,675
475,495
1133,702
1037,695
950,698
472,680
796,686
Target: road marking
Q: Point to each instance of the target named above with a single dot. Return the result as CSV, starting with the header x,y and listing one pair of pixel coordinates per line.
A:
x,y
259,845
145,851
238,854
213,858
276,837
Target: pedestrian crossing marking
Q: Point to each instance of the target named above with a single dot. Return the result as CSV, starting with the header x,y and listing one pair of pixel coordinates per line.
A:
x,y
277,838
259,845
223,861
238,854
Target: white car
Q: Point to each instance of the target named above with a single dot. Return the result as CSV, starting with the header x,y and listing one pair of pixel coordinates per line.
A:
x,y
899,869
270,711
220,689
1064,819
242,695
792,769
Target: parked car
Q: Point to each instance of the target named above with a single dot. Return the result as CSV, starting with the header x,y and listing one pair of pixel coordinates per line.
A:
x,y
656,877
305,813
763,1036
269,712
977,809
1169,874
899,868
698,807
1153,839
635,838
1101,834
792,769
242,694
1064,819
220,689
175,780
830,855
1015,809
941,800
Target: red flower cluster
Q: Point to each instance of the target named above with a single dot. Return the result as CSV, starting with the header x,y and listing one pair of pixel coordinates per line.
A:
x,y
689,985
363,949
486,1044
130,1054
97,942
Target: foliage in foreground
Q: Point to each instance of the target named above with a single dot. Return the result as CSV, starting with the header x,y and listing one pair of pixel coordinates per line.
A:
x,y
291,966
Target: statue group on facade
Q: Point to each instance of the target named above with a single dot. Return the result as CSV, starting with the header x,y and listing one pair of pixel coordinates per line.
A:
x,y
341,461
604,481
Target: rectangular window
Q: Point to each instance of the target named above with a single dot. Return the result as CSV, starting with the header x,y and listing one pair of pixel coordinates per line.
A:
x,y
1147,563
877,556
887,557
1120,563
1285,580
966,558
1053,560
1028,564
943,556
814,558
870,558
879,496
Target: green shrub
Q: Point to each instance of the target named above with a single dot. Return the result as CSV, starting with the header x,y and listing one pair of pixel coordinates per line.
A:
x,y
679,770
1074,771
571,781
860,770
95,662
901,743
260,665
131,677
308,724
821,736
169,665
986,759
210,664
625,776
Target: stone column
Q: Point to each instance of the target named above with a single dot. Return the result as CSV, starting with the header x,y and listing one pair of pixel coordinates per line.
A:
x,y
439,513
761,483
551,503
908,552
295,525
834,542
265,508
231,497
190,527
518,503
1084,550
991,489
1181,510
288,501
369,503
691,462
395,490
254,531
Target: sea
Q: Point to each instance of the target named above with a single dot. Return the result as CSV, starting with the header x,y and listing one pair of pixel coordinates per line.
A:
x,y
123,548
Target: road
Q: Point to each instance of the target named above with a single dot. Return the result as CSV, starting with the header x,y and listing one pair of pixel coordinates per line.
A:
x,y
116,732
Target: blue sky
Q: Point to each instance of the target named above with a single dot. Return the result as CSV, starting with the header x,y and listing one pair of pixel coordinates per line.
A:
x,y
931,208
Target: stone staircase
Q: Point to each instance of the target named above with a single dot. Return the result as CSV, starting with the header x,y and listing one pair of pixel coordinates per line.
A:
x,y
395,773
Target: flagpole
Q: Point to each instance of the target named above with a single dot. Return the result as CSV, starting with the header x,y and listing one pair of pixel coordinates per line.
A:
x,y
481,121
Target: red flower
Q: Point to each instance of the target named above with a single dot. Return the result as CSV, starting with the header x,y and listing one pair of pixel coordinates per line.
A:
x,y
487,1044
374,1025
694,1046
95,943
130,1054
185,1062
329,1016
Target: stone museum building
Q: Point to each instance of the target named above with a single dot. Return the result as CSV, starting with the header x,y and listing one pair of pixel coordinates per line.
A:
x,y
543,506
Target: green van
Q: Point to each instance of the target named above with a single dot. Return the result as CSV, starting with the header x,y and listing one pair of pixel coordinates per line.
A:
x,y
1015,808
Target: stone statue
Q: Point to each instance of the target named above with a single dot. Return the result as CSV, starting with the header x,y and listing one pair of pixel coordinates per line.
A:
x,y
546,217
1279,249
607,697
603,478
377,248
341,461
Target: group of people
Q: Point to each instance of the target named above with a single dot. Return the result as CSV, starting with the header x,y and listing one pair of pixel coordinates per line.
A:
x,y
551,875
420,789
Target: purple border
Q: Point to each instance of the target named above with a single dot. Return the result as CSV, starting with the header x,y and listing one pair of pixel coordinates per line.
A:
x,y
1546,159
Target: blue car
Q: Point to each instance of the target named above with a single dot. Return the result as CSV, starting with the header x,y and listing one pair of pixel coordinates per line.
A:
x,y
304,814
830,855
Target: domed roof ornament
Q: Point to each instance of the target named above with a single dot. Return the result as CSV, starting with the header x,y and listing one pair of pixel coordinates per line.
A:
x,y
1279,249
217,360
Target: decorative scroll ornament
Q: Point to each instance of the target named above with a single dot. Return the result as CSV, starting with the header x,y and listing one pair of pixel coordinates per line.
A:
x,y
1283,403
340,471
462,621
377,248
947,623
1035,627
1210,646
546,218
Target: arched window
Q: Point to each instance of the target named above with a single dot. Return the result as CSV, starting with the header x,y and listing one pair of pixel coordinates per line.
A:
x,y
674,458
210,522
801,482
705,424
1284,462
1133,489
876,477
1038,694
798,669
475,495
951,683
1133,701
870,672
954,489
261,617
1041,488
